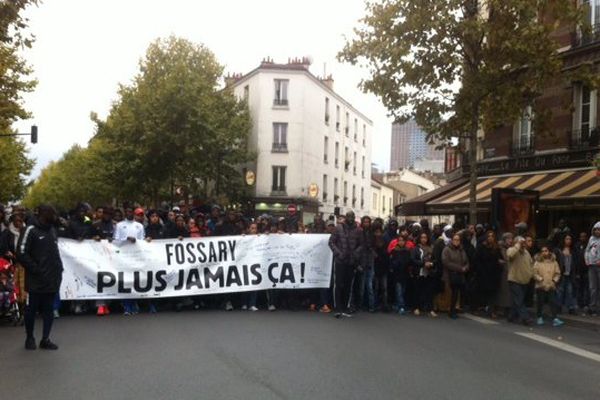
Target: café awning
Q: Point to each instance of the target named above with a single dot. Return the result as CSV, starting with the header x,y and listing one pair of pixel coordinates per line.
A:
x,y
556,188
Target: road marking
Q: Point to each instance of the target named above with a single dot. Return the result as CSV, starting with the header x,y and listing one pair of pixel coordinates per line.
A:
x,y
480,320
561,346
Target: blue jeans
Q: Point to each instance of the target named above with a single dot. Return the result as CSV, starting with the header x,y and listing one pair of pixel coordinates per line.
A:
x,y
517,294
400,287
564,293
366,286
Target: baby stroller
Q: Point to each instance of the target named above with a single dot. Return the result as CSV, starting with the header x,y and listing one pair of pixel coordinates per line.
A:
x,y
9,307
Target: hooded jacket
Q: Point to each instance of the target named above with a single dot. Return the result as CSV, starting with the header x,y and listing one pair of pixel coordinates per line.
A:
x,y
39,255
592,251
344,242
546,272
520,265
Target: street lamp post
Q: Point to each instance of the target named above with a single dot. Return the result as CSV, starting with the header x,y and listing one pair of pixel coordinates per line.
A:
x,y
33,134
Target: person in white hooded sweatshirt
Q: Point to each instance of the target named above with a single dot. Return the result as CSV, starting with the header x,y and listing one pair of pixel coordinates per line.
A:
x,y
592,260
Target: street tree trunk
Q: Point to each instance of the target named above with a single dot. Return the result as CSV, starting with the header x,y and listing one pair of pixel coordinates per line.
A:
x,y
472,161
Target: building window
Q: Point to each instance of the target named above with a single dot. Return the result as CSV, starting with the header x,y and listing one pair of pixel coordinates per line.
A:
x,y
337,118
354,164
523,135
390,206
346,158
324,188
336,193
325,149
374,201
278,179
347,127
590,32
584,121
281,92
326,110
280,137
337,154
362,198
246,93
363,167
364,138
355,128
345,193
383,204
353,196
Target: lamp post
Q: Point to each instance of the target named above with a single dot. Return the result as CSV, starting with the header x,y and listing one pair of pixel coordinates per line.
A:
x,y
33,134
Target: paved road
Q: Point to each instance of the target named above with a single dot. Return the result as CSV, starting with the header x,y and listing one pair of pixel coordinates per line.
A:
x,y
297,355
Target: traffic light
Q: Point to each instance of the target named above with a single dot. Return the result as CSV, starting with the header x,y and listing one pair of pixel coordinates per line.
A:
x,y
34,133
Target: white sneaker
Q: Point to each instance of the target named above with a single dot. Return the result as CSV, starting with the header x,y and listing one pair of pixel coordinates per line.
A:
x,y
228,306
78,309
56,314
244,307
272,308
253,308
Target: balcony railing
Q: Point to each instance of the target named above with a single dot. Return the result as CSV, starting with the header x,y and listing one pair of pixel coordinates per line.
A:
x,y
588,35
279,148
584,138
523,147
280,102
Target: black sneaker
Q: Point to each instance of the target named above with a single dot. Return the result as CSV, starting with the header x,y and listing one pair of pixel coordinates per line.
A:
x,y
30,344
46,344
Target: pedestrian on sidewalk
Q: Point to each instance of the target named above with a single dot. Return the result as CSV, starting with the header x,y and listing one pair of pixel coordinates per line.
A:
x,y
592,260
546,274
456,265
567,257
39,255
520,273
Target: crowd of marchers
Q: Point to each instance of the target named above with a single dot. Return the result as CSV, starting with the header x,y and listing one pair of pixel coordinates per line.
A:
x,y
379,266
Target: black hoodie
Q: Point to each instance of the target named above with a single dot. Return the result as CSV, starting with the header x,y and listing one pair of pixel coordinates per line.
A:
x,y
38,253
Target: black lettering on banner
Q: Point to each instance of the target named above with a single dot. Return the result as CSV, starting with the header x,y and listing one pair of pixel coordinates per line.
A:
x,y
169,250
102,283
255,270
137,282
232,244
217,277
193,279
121,286
179,256
202,254
272,278
245,270
287,273
190,250
212,254
222,251
160,280
233,276
180,281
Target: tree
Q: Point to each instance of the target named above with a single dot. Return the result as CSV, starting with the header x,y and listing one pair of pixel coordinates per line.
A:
x,y
80,174
14,164
459,67
174,125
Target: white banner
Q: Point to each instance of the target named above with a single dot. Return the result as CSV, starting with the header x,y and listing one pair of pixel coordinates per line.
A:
x,y
170,267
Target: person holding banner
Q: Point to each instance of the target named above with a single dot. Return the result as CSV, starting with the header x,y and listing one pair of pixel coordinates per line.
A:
x,y
343,243
130,230
39,255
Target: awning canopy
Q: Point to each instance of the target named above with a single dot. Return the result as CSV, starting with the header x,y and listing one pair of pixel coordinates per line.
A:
x,y
562,188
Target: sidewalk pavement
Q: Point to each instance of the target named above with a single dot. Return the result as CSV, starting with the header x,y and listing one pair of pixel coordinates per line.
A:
x,y
579,321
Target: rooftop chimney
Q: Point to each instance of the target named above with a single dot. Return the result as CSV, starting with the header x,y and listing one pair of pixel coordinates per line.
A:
x,y
328,81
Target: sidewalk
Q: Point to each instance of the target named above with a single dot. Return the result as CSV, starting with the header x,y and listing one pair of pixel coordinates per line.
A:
x,y
587,322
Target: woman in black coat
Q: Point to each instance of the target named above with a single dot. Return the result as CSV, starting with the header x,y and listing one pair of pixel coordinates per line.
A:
x,y
488,270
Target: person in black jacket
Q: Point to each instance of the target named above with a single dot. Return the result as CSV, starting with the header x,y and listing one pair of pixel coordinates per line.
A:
x,y
343,243
488,271
155,229
569,259
38,252
400,263
382,267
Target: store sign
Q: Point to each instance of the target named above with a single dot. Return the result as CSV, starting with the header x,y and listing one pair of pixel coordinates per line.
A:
x,y
535,163
313,190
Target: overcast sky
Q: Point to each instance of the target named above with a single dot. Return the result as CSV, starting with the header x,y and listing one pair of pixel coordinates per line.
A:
x,y
84,48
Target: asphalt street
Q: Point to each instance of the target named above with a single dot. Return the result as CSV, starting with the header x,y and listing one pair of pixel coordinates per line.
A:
x,y
298,355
